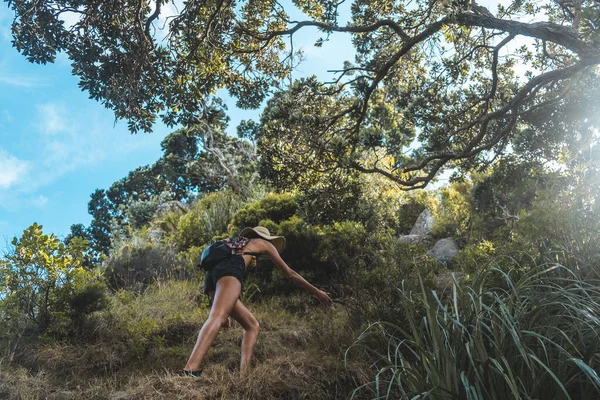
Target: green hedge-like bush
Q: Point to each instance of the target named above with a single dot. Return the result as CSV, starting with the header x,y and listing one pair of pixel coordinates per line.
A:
x,y
275,207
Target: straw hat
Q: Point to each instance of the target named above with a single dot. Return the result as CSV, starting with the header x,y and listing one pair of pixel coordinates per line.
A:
x,y
263,233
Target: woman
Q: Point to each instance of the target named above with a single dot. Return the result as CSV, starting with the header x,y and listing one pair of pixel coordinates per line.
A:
x,y
224,282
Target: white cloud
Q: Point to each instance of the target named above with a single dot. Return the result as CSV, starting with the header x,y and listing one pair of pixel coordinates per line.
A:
x,y
12,170
53,117
40,201
20,81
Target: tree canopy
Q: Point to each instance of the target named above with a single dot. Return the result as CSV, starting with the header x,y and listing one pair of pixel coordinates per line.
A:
x,y
195,161
443,72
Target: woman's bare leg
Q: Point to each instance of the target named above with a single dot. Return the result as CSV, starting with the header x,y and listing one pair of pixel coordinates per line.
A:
x,y
245,318
226,324
226,296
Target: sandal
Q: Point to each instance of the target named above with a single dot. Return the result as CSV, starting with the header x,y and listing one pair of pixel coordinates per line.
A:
x,y
196,373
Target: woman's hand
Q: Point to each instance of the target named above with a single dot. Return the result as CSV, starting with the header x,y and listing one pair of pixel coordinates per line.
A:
x,y
324,298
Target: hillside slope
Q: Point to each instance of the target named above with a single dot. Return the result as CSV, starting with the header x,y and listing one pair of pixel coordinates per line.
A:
x,y
136,350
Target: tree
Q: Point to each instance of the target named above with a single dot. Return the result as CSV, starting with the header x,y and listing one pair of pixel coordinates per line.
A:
x,y
41,285
195,161
441,69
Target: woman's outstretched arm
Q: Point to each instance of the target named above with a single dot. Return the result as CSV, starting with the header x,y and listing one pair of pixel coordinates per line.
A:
x,y
292,275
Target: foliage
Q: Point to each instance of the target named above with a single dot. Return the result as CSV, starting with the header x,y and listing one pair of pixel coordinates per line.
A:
x,y
412,207
376,201
332,197
479,256
137,261
511,187
44,286
143,320
374,284
208,218
453,216
425,70
195,162
562,226
276,207
536,336
140,212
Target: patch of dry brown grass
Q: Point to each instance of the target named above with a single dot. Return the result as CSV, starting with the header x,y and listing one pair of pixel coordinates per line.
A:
x,y
299,354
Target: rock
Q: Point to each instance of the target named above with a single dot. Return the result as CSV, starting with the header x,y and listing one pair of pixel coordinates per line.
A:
x,y
412,239
424,224
416,240
444,250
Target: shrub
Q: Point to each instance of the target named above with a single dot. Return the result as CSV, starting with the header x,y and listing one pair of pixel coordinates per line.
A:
x,y
344,247
453,214
209,217
374,283
43,286
166,313
333,199
561,226
536,336
276,207
139,261
140,212
411,208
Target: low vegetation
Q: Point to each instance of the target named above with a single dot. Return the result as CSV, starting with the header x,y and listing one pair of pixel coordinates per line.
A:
x,y
516,317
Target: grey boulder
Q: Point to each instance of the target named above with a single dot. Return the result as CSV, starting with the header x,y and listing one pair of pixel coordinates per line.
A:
x,y
444,250
424,224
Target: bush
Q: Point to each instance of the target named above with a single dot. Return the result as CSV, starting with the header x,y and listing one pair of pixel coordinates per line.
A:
x,y
343,248
43,287
561,226
208,218
140,212
411,208
276,207
333,199
535,337
139,261
453,216
374,283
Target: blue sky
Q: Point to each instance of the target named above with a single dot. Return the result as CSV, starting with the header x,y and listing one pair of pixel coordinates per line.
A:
x,y
57,146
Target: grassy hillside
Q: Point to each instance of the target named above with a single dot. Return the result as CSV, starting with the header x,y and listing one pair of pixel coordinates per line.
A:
x,y
136,351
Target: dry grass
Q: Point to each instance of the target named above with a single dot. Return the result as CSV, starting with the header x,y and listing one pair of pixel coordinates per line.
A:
x,y
136,350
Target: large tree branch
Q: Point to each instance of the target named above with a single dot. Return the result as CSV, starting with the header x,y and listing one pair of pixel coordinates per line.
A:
x,y
549,31
477,145
151,19
267,36
559,34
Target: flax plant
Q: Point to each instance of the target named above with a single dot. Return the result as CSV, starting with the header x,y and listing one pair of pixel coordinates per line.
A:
x,y
514,335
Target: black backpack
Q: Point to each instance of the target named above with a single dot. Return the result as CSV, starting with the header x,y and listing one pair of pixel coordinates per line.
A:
x,y
213,254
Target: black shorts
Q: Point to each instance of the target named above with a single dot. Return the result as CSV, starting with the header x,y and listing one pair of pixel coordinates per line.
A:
x,y
232,266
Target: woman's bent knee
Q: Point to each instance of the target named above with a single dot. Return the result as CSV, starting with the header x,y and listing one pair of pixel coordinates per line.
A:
x,y
253,326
